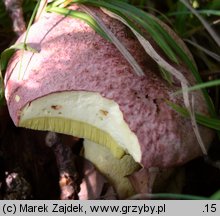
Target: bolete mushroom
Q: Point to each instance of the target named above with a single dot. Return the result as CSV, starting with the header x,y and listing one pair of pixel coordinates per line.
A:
x,y
79,84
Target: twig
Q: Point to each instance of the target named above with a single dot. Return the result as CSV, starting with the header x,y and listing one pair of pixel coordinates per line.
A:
x,y
205,50
14,8
66,164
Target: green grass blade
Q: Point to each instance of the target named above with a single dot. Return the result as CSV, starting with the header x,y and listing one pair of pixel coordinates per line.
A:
x,y
152,27
7,54
31,20
4,59
166,75
200,86
215,196
180,19
57,3
210,122
203,12
81,15
214,4
169,196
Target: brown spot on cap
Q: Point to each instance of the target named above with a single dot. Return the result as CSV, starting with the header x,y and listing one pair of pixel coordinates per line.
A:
x,y
104,112
56,107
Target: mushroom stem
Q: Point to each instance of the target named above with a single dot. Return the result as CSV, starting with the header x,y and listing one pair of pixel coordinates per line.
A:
x,y
143,179
66,164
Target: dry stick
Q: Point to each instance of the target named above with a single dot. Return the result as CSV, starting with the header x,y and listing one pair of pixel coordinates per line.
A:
x,y
203,49
14,8
66,164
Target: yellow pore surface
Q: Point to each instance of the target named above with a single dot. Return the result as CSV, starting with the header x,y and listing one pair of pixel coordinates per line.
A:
x,y
83,114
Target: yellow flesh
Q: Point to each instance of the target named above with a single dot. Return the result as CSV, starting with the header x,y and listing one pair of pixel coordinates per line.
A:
x,y
114,169
83,114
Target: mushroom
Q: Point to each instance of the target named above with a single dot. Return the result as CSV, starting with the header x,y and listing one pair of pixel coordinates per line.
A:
x,y
79,84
